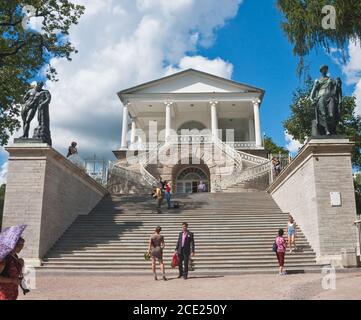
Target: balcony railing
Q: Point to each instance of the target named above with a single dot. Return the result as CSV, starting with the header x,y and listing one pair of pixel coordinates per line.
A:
x,y
242,144
184,139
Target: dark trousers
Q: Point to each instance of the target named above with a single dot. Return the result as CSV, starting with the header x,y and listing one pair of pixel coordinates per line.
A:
x,y
159,205
183,258
167,196
281,258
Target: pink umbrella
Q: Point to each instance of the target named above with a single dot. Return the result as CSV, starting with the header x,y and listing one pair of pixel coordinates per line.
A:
x,y
9,237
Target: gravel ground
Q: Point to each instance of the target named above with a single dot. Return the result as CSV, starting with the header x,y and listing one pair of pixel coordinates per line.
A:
x,y
229,287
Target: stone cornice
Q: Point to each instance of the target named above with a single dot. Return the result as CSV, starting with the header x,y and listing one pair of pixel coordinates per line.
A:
x,y
194,96
41,151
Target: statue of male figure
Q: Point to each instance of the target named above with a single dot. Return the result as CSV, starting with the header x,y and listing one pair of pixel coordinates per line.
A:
x,y
326,96
33,99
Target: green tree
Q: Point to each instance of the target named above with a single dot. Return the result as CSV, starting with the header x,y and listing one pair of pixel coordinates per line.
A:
x,y
2,197
273,148
303,25
299,124
357,185
25,52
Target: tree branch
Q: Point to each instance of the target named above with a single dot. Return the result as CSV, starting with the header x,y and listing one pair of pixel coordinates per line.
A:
x,y
15,51
10,23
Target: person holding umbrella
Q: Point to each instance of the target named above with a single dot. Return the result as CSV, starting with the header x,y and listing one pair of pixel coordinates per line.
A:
x,y
11,265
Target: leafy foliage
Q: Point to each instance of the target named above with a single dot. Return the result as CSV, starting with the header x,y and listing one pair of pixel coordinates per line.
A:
x,y
357,185
303,25
25,52
2,197
273,148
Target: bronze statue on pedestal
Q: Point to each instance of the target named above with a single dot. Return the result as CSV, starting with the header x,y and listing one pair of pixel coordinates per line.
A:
x,y
37,100
326,97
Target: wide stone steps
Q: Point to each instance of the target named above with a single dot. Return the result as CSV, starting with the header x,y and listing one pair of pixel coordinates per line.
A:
x,y
218,267
139,258
200,237
136,250
251,232
198,264
233,233
200,254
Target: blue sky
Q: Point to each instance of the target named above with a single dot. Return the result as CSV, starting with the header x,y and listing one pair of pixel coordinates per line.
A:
x,y
126,42
262,56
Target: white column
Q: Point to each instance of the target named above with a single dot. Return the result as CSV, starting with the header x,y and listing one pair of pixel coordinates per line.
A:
x,y
214,118
125,127
257,123
167,120
132,134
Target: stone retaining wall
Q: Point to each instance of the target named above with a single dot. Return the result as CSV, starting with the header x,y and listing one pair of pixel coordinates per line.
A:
x,y
46,192
304,187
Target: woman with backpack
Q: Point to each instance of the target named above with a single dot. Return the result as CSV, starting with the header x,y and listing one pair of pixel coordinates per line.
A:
x,y
280,248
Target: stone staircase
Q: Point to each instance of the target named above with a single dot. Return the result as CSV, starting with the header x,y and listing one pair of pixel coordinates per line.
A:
x,y
255,184
234,233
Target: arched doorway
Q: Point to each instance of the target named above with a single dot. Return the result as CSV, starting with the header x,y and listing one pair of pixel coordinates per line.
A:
x,y
188,179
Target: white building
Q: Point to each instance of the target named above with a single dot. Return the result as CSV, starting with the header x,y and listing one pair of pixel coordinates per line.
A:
x,y
208,113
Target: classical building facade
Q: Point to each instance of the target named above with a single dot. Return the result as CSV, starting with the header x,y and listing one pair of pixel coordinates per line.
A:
x,y
208,126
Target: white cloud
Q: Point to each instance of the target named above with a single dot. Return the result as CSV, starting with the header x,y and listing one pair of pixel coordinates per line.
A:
x,y
121,44
3,165
3,173
292,145
216,66
352,70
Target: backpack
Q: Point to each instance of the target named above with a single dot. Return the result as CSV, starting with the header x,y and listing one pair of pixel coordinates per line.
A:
x,y
274,247
175,204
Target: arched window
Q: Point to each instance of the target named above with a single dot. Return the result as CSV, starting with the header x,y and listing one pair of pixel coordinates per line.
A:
x,y
188,180
192,174
191,125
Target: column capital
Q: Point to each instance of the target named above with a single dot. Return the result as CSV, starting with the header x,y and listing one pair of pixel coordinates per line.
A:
x,y
256,101
168,103
213,102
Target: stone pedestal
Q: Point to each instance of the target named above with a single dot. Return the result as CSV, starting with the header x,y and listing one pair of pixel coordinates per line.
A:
x,y
317,189
46,192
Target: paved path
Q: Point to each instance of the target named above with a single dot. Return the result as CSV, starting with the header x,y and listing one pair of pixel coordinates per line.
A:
x,y
297,286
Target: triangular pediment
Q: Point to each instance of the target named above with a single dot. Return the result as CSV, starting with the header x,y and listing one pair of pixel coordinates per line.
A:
x,y
190,81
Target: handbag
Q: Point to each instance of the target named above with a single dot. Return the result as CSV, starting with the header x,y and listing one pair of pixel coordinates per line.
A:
x,y
147,256
274,247
191,264
174,262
